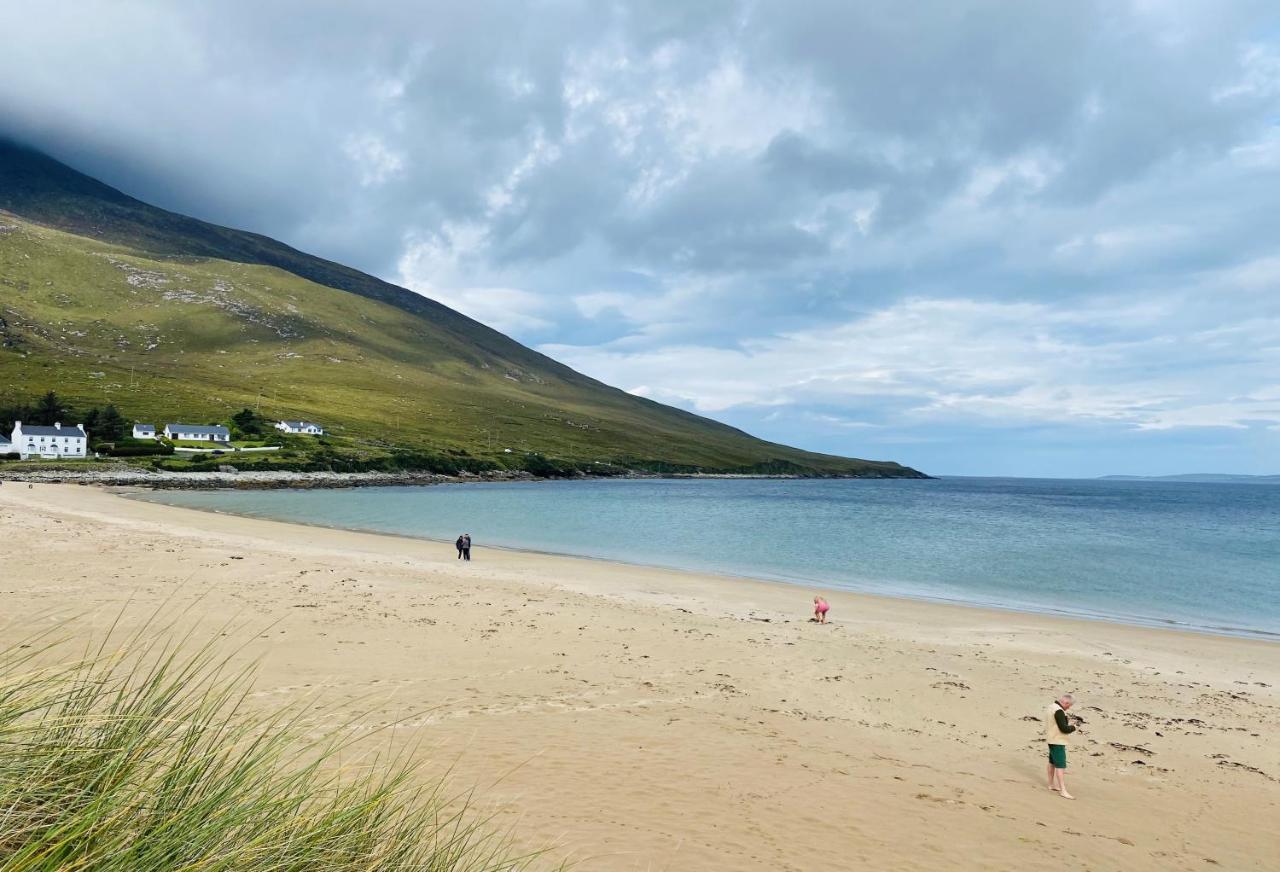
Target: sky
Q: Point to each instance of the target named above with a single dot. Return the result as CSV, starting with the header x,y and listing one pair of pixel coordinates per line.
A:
x,y
980,238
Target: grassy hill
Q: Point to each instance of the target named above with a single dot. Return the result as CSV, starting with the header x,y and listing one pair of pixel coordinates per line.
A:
x,y
104,298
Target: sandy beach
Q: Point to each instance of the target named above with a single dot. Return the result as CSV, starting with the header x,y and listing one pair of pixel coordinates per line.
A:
x,y
646,719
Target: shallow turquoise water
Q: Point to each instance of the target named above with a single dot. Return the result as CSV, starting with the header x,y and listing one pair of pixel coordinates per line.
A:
x,y
1203,556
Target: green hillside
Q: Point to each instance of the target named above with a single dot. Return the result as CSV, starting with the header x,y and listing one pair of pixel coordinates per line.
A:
x,y
108,300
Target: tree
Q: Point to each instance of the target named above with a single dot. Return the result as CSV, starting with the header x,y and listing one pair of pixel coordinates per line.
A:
x,y
16,412
49,410
111,426
249,422
90,423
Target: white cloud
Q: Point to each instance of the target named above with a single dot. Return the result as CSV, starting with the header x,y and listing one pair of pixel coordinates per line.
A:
x,y
377,162
729,111
509,310
591,305
938,360
438,266
1262,274
1118,245
1260,78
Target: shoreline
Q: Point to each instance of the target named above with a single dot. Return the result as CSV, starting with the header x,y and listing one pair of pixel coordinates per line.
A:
x,y
634,718
290,480
726,581
1113,618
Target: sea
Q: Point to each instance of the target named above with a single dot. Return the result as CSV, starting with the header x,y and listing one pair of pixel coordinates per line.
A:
x,y
1197,556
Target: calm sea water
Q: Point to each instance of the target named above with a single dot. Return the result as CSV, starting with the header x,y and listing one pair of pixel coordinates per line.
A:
x,y
1205,556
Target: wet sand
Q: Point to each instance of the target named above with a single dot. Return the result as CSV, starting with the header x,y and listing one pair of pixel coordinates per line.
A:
x,y
645,719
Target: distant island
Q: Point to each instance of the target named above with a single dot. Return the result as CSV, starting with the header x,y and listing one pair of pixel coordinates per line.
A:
x,y
1200,478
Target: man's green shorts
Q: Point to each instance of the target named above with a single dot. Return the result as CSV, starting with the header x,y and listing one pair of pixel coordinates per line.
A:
x,y
1058,756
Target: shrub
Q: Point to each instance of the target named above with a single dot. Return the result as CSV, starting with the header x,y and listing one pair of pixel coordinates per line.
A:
x,y
332,461
249,423
546,467
145,761
661,467
136,450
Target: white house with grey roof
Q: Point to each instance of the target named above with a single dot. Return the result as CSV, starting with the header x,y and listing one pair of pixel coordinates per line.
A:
x,y
6,447
52,443
197,432
303,427
144,431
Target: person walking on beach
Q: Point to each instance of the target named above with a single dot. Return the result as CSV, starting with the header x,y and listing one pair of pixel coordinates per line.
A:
x,y
1056,730
459,546
466,546
820,607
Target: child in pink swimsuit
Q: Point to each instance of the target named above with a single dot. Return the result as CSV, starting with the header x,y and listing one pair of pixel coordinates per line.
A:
x,y
820,607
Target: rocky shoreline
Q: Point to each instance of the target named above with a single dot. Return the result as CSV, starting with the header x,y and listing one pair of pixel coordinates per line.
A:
x,y
280,479
228,477
245,480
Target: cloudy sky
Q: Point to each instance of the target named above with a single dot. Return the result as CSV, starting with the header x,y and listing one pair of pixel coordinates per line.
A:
x,y
1036,238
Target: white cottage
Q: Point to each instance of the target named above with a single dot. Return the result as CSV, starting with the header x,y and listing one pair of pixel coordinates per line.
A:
x,y
56,442
6,447
144,431
304,427
197,432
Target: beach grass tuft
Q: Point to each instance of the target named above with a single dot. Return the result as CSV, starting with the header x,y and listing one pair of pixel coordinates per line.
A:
x,y
148,759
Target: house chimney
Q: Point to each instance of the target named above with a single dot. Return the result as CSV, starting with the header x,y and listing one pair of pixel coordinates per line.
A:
x,y
57,425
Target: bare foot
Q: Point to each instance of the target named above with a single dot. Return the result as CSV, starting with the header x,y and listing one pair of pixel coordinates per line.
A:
x,y
1066,795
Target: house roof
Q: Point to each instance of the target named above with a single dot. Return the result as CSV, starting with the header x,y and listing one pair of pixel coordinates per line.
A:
x,y
202,429
299,424
65,430
4,440
144,426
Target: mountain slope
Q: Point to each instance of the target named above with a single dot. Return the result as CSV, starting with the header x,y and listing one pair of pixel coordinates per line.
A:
x,y
105,298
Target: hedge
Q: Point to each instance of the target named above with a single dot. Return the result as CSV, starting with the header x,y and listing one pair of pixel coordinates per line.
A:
x,y
136,450
403,461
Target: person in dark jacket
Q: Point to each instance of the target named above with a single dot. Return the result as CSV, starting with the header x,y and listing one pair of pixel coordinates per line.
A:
x,y
466,546
1057,732
460,546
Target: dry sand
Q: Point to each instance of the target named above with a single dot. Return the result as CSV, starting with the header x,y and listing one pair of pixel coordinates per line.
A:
x,y
643,719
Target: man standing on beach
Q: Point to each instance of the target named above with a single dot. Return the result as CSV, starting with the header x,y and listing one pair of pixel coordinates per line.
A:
x,y
466,546
460,545
1056,730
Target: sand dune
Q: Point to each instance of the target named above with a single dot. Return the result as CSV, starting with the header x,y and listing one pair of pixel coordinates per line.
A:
x,y
642,719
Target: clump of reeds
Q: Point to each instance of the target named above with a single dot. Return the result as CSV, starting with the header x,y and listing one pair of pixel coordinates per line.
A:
x,y
149,760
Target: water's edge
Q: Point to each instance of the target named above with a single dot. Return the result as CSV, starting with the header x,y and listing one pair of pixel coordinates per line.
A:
x,y
154,496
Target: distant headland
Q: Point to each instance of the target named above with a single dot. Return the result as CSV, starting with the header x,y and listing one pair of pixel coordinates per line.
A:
x,y
1199,478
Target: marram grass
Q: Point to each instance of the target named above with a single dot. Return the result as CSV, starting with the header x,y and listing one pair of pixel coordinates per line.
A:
x,y
149,760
